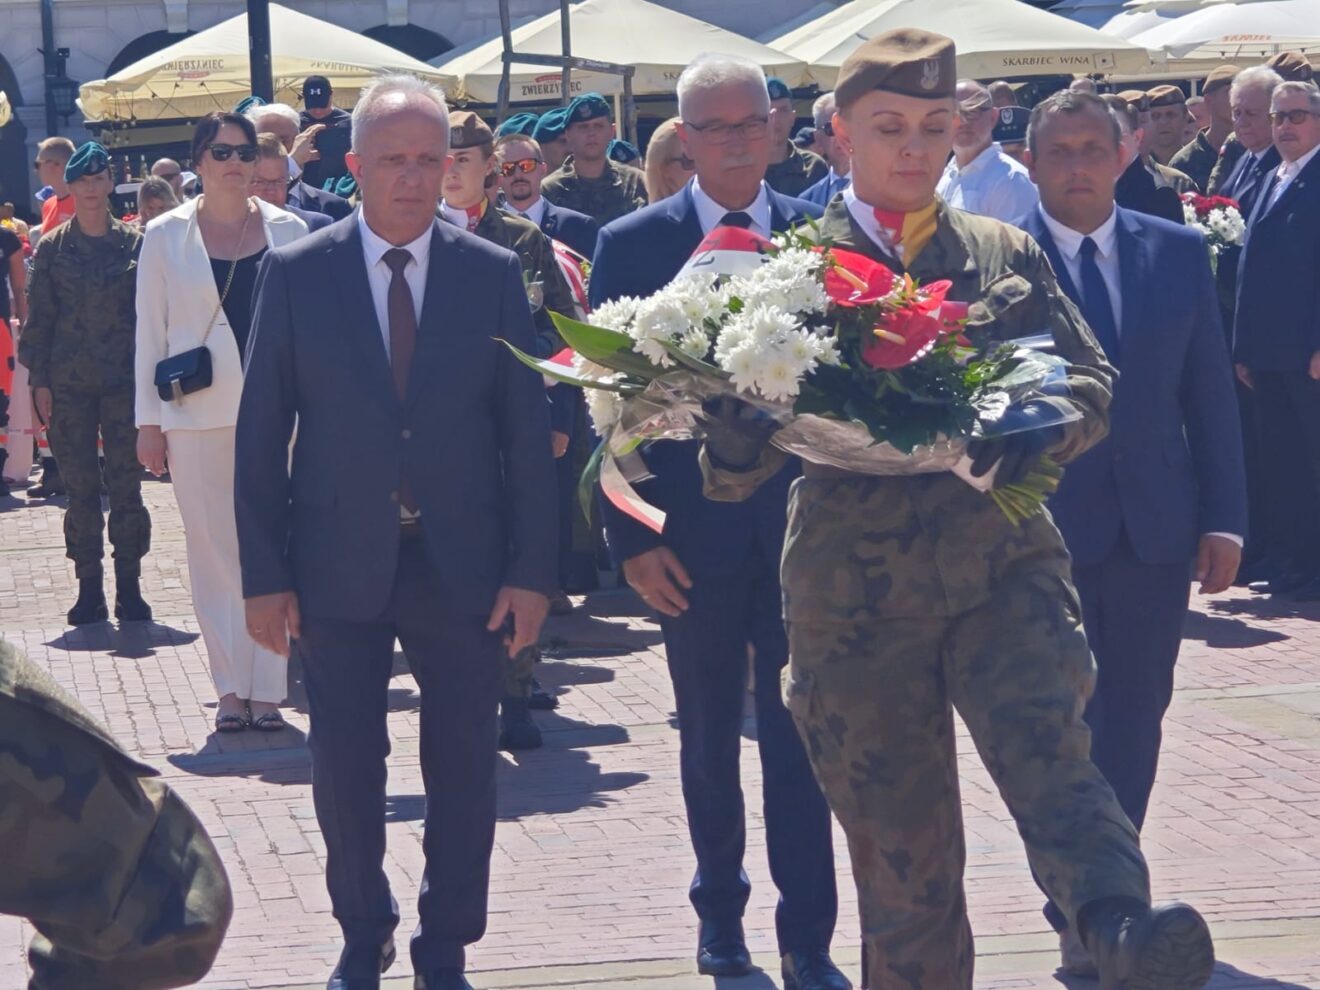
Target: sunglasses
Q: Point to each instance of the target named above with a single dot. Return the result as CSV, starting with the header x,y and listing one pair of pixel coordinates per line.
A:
x,y
1277,117
524,165
223,152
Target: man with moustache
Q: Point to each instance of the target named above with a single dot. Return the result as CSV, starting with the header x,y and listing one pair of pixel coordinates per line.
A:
x,y
385,331
712,573
522,168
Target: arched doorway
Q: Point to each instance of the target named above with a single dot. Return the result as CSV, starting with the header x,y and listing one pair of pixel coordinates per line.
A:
x,y
15,169
142,46
419,42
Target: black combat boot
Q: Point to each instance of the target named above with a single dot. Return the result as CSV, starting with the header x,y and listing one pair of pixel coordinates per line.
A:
x,y
540,699
90,606
517,730
1136,947
129,604
51,484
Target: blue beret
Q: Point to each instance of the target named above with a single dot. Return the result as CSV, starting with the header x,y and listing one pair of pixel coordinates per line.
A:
x,y
805,138
588,106
778,89
622,151
1011,125
89,159
249,103
551,125
519,123
345,186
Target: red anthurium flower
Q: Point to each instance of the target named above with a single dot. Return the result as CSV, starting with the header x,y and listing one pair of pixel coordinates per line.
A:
x,y
856,280
903,336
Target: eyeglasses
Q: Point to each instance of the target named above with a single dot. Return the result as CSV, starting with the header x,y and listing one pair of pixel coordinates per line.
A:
x,y
721,133
827,128
271,184
1277,117
524,165
972,115
223,152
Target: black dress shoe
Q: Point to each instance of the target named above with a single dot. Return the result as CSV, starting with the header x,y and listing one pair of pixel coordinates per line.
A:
x,y
441,979
722,950
360,967
1309,592
1140,948
812,969
1283,582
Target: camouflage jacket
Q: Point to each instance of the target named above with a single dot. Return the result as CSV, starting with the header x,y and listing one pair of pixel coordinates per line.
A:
x,y
620,190
82,314
1229,155
1196,160
796,173
1166,175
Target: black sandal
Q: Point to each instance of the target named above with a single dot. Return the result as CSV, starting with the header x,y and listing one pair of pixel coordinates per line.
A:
x,y
231,722
269,722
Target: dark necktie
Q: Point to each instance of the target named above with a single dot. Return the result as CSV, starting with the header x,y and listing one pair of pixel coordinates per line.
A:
x,y
1096,305
738,218
403,339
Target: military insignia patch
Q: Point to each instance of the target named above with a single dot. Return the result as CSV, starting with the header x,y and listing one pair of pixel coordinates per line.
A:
x,y
930,73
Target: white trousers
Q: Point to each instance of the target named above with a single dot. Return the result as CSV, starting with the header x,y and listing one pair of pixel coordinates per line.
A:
x,y
201,464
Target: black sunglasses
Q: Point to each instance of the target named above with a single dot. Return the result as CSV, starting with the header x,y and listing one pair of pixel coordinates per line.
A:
x,y
223,152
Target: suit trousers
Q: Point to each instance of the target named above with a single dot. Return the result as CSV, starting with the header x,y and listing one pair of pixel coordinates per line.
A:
x,y
458,666
1133,614
707,655
201,466
1287,407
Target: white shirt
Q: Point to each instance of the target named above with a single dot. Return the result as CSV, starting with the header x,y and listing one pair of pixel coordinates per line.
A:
x,y
991,184
534,213
864,215
710,213
1105,236
456,216
1288,171
379,274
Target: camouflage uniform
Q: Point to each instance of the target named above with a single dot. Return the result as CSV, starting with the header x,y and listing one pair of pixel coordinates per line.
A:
x,y
1196,160
79,342
620,190
1229,155
119,878
796,173
908,597
1165,175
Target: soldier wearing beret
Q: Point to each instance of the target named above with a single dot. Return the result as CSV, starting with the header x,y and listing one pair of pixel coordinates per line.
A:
x,y
588,181
1010,131
792,170
549,134
1165,177
1138,188
1164,137
623,152
78,348
466,204
115,873
519,123
1198,158
907,598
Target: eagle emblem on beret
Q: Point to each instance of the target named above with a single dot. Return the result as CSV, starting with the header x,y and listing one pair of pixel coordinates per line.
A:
x,y
1006,115
930,73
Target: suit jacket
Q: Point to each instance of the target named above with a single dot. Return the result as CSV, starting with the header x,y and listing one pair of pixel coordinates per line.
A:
x,y
308,197
637,255
314,221
575,229
1171,468
471,434
176,297
1244,185
1277,323
1138,190
825,190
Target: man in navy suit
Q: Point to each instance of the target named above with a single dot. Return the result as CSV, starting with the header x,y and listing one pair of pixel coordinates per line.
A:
x,y
522,167
1166,488
270,181
713,574
380,330
282,121
1277,336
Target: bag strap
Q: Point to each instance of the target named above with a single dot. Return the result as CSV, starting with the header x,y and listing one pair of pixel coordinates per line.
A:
x,y
229,279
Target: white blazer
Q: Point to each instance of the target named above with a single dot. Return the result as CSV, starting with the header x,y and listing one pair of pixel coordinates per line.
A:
x,y
176,296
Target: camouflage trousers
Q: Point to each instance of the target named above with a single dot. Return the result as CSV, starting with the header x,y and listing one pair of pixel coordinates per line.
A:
x,y
76,419
907,601
518,669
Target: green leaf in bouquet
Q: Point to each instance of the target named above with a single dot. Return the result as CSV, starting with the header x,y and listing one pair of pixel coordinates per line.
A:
x,y
586,491
604,347
565,374
685,360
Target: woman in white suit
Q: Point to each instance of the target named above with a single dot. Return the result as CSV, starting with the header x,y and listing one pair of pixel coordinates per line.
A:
x,y
195,284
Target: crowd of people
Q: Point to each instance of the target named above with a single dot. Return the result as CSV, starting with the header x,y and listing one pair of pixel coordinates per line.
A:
x,y
285,301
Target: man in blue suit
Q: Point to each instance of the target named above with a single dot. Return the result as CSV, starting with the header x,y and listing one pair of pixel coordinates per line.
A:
x,y
713,574
522,167
381,330
1165,489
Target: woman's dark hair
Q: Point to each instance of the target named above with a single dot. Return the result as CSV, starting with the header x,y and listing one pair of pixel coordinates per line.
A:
x,y
209,126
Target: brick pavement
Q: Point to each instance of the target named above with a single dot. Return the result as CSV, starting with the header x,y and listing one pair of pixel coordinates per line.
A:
x,y
592,861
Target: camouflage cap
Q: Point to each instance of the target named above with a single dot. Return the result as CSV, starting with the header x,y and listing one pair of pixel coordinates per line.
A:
x,y
520,123
1166,96
89,159
622,151
1293,66
1135,98
1011,125
907,61
778,89
588,106
1218,79
467,130
551,125
249,103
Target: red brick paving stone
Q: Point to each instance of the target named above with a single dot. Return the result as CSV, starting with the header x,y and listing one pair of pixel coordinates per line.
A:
x,y
592,861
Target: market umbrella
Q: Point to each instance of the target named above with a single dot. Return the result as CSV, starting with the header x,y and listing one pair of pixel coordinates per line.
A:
x,y
1246,31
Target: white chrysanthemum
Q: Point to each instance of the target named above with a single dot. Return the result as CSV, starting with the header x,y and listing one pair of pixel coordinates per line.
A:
x,y
744,367
660,320
779,378
617,314
604,407
769,323
1189,215
695,343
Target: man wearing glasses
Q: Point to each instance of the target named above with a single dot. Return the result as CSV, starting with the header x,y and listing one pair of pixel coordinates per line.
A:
x,y
270,181
52,155
792,170
980,177
522,167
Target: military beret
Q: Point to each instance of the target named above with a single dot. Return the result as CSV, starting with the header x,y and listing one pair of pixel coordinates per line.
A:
x,y
1166,96
906,60
1293,66
1219,79
778,89
467,130
1011,125
805,138
624,152
1135,98
588,106
519,123
249,103
344,187
89,159
551,125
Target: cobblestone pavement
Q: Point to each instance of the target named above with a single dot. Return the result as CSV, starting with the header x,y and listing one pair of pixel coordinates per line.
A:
x,y
592,860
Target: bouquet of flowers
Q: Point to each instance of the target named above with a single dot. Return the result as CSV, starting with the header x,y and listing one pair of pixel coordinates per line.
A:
x,y
859,368
1218,218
